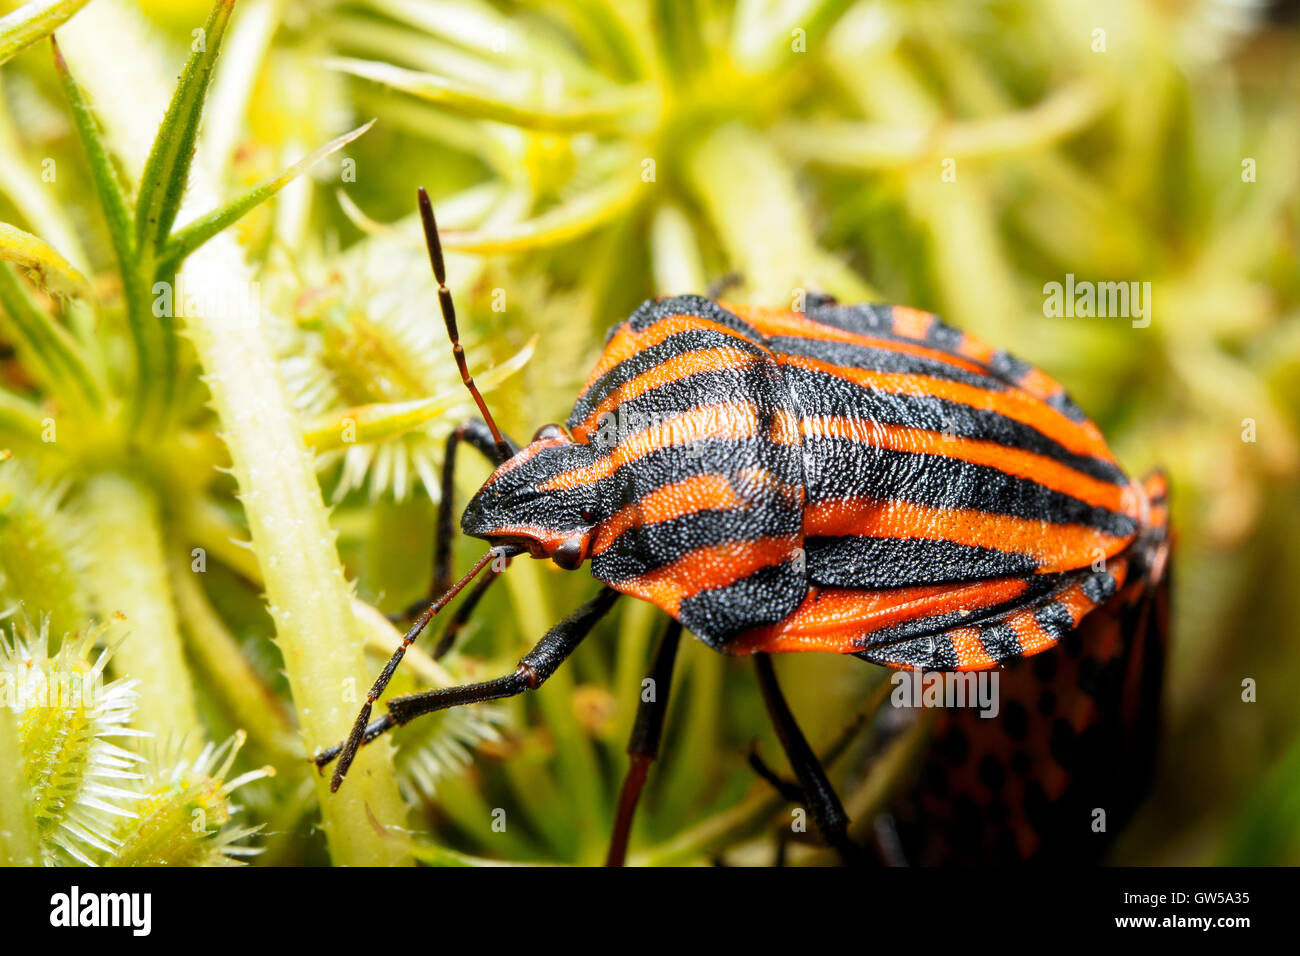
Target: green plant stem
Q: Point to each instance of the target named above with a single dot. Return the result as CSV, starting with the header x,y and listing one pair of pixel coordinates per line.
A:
x,y
128,577
307,592
752,200
19,840
251,703
305,586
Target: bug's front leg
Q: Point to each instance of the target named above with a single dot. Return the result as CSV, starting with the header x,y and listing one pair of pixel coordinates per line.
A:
x,y
533,670
475,433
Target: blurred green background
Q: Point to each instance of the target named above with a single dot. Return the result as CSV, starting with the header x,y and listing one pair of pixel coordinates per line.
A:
x,y
951,155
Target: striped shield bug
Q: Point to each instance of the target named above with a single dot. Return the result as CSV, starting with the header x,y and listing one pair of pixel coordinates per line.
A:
x,y
859,480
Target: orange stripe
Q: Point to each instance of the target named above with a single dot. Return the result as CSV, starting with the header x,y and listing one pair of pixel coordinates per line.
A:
x,y
627,343
835,619
971,655
773,322
1013,461
976,348
910,322
706,568
1039,383
1031,635
730,421
548,538
668,502
678,367
1016,405
1056,547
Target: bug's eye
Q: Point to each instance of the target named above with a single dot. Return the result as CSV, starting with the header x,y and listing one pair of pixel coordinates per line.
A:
x,y
549,431
587,515
569,555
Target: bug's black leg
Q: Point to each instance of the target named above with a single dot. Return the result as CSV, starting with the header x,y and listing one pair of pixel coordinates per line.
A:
x,y
533,670
643,746
787,788
890,843
719,286
478,436
827,811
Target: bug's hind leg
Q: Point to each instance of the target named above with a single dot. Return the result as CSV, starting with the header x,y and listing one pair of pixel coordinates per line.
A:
x,y
786,788
643,746
533,670
478,436
820,797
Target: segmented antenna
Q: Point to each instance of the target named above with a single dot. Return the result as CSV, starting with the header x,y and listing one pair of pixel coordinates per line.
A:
x,y
346,751
449,317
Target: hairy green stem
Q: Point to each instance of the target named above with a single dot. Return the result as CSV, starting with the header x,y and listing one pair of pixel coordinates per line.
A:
x,y
754,205
128,580
308,595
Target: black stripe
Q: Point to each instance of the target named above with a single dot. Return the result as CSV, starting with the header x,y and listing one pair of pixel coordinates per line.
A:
x,y
822,394
1099,587
879,563
882,359
1055,618
1009,368
768,595
717,386
652,310
947,338
1062,403
690,340
999,640
861,319
934,652
841,468
645,548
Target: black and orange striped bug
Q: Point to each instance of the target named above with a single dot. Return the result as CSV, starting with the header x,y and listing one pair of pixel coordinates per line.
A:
x,y
851,479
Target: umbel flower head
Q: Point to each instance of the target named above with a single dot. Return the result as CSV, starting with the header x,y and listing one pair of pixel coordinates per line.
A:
x,y
90,800
183,811
68,718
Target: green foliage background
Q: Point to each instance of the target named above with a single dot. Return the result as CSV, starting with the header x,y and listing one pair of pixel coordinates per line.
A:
x,y
583,156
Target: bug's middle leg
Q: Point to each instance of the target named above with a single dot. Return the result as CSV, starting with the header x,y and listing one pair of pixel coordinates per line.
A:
x,y
533,670
643,746
822,801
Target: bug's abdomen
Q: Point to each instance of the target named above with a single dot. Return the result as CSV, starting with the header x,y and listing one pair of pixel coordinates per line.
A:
x,y
698,467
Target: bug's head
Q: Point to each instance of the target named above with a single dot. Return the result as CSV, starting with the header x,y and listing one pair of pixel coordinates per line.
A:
x,y
540,500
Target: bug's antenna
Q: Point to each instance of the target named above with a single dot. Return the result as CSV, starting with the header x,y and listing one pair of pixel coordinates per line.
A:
x,y
348,749
449,317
